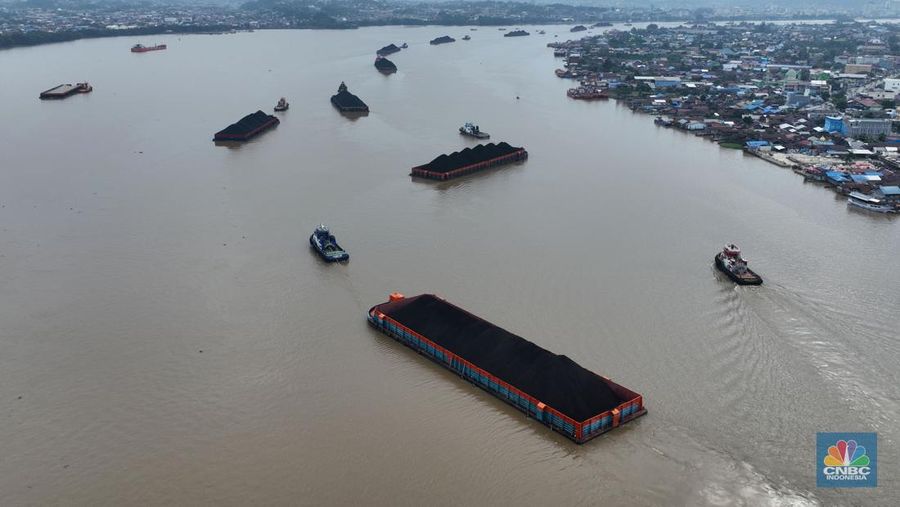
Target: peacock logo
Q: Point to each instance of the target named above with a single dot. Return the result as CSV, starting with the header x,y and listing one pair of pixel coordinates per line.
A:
x,y
847,460
846,453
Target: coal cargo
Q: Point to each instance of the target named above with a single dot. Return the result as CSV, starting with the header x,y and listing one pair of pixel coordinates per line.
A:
x,y
470,160
548,387
247,127
346,102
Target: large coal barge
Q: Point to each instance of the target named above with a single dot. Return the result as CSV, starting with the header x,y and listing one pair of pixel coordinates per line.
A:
x,y
247,127
470,160
548,387
346,102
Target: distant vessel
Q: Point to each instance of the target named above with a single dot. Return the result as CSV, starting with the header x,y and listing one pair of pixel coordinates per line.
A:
x,y
442,40
560,52
404,45
282,105
346,102
602,24
140,48
870,203
388,50
66,90
562,73
541,32
578,28
466,37
384,65
326,245
472,130
516,33
730,262
587,93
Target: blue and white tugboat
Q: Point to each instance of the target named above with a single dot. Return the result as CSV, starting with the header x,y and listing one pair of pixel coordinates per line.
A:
x,y
472,130
730,262
326,245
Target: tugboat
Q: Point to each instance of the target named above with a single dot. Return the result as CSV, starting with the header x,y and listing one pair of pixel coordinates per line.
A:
x,y
404,45
730,262
472,130
326,245
466,37
282,105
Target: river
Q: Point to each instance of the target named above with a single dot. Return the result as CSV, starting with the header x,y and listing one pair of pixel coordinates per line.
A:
x,y
168,337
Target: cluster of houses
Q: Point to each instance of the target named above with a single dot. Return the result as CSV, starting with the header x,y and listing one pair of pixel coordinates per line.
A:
x,y
819,98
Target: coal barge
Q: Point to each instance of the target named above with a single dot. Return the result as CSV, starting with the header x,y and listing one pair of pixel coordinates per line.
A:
x,y
388,50
516,33
442,40
469,160
65,90
551,388
346,102
384,65
247,127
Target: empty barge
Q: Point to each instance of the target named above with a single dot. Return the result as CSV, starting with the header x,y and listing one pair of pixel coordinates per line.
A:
x,y
469,160
66,90
550,388
247,127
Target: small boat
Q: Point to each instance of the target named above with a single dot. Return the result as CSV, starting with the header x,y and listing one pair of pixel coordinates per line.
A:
x,y
867,202
404,45
730,262
560,52
326,245
541,32
466,37
282,105
472,130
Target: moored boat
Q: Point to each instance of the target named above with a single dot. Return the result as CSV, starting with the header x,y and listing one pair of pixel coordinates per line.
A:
x,y
282,105
472,130
730,262
867,202
325,244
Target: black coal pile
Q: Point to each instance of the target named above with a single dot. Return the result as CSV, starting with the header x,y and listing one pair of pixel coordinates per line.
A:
x,y
346,101
246,125
553,379
388,50
481,153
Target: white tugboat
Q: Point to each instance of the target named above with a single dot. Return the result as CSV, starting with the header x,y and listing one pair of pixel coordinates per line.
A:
x,y
730,262
282,105
472,130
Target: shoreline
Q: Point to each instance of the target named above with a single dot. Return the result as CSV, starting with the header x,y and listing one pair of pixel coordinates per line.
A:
x,y
60,37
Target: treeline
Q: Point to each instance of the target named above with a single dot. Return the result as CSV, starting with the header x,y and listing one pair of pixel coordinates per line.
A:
x,y
20,39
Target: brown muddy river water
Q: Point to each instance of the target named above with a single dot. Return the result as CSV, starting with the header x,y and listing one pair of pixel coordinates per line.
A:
x,y
129,243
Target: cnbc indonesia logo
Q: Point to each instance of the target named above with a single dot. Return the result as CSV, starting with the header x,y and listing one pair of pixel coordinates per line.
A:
x,y
846,462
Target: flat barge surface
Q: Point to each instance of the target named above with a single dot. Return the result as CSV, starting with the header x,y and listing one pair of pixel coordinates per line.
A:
x,y
247,127
551,388
469,160
66,90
